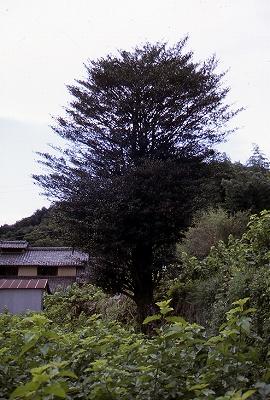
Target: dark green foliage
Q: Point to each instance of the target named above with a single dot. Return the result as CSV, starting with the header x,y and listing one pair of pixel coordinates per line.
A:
x,y
237,187
140,133
40,229
248,189
218,169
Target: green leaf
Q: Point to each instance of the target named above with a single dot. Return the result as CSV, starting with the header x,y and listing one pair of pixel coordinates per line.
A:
x,y
245,325
164,306
214,340
241,302
68,373
56,389
247,394
24,390
98,364
29,345
251,310
39,370
176,319
151,318
233,311
41,378
199,386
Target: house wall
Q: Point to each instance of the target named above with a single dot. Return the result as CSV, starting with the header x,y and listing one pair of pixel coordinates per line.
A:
x,y
20,300
66,271
32,271
27,271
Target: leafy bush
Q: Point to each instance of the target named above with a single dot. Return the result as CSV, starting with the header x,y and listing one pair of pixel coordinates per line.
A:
x,y
237,269
103,360
81,301
208,228
71,352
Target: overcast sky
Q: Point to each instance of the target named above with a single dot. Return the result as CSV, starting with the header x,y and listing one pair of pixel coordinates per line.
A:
x,y
44,44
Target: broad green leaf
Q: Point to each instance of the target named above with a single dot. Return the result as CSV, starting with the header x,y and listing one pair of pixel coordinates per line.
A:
x,y
41,378
29,345
68,373
21,391
245,325
151,318
176,319
247,394
199,386
241,302
56,389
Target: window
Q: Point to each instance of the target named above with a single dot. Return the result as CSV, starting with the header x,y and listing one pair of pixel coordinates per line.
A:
x,y
47,271
8,270
11,250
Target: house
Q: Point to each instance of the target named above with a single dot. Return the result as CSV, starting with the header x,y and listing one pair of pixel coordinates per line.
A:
x,y
21,295
61,266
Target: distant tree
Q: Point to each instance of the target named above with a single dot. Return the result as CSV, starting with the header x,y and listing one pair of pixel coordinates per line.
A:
x,y
217,170
258,160
248,186
248,189
141,129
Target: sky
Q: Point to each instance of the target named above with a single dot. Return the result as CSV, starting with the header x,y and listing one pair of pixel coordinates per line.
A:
x,y
44,45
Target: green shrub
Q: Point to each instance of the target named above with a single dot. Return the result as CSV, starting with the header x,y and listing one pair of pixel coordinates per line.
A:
x,y
234,270
208,228
81,301
70,352
103,360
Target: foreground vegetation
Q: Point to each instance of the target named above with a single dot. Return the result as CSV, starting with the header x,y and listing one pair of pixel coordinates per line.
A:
x,y
204,290
97,359
202,343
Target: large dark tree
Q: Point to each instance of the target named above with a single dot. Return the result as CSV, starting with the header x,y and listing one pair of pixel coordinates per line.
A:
x,y
141,129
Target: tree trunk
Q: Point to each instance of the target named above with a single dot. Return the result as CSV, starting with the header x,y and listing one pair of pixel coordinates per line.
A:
x,y
143,279
145,307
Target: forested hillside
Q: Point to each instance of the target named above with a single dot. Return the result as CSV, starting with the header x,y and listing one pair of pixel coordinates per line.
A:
x,y
40,229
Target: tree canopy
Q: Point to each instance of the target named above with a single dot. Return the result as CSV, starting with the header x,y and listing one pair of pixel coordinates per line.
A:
x,y
247,189
140,131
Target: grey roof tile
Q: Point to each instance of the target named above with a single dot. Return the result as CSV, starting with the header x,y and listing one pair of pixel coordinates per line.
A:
x,y
50,256
13,244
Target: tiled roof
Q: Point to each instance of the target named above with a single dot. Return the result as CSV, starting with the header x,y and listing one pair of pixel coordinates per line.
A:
x,y
13,244
23,283
51,256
